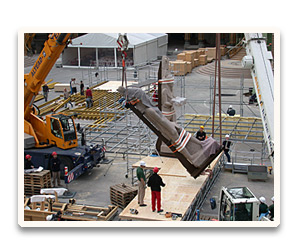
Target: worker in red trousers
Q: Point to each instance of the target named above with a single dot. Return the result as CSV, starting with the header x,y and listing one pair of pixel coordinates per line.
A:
x,y
155,182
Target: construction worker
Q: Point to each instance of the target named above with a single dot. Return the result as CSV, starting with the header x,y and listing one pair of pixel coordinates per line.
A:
x,y
271,209
201,135
142,183
55,167
45,91
89,98
263,207
66,96
155,182
81,88
230,111
28,162
226,146
73,86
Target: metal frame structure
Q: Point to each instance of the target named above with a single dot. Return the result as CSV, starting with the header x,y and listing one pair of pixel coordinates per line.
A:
x,y
190,214
180,81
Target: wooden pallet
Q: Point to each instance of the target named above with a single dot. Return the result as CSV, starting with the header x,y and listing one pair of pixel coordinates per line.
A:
x,y
70,212
121,195
34,182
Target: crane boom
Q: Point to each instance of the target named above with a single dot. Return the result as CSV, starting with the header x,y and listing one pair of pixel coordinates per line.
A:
x,y
41,68
258,60
49,132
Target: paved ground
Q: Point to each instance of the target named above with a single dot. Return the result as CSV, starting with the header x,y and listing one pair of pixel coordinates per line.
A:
x,y
93,188
229,179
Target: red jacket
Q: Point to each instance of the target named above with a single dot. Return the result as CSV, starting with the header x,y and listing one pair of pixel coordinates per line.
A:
x,y
88,93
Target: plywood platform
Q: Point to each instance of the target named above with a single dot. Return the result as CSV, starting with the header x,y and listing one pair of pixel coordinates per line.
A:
x,y
177,196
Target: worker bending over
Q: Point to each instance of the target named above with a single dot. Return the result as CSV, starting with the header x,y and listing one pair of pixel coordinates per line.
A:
x,y
230,111
28,163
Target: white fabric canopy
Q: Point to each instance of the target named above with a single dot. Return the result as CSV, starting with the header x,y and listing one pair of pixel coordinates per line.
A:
x,y
109,40
145,46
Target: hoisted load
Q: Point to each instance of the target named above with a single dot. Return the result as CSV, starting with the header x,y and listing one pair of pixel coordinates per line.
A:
x,y
194,155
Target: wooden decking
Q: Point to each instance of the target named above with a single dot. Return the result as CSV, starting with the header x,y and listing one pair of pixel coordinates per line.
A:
x,y
179,193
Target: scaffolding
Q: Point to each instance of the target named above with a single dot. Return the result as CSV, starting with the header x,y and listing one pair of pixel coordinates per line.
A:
x,y
128,138
241,89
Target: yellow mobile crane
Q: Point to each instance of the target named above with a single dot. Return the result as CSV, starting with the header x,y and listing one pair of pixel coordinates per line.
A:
x,y
57,132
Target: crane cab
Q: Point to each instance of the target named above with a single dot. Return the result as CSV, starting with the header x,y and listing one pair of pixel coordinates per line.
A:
x,y
61,131
238,204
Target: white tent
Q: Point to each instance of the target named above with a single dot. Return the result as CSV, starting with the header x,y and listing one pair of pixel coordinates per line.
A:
x,y
162,43
100,49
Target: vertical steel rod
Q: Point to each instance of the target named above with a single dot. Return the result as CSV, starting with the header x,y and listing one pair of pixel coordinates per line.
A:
x,y
214,97
219,84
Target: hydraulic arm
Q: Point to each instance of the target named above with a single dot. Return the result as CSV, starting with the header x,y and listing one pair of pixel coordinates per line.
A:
x,y
258,60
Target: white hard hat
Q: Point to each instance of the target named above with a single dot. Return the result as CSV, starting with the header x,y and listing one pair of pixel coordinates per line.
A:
x,y
227,136
230,106
49,217
142,163
262,199
272,199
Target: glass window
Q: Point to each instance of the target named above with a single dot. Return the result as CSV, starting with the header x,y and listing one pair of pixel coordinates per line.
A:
x,y
243,211
68,128
55,128
106,57
240,192
67,124
88,57
226,209
70,57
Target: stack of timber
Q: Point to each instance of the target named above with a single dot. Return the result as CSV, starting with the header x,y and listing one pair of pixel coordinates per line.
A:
x,y
34,182
38,211
121,195
105,106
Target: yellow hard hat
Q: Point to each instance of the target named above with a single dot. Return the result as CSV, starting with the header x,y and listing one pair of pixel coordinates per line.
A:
x,y
201,126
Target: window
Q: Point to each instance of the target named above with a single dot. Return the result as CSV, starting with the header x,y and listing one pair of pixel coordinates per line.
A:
x,y
240,192
243,211
68,128
55,128
226,209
